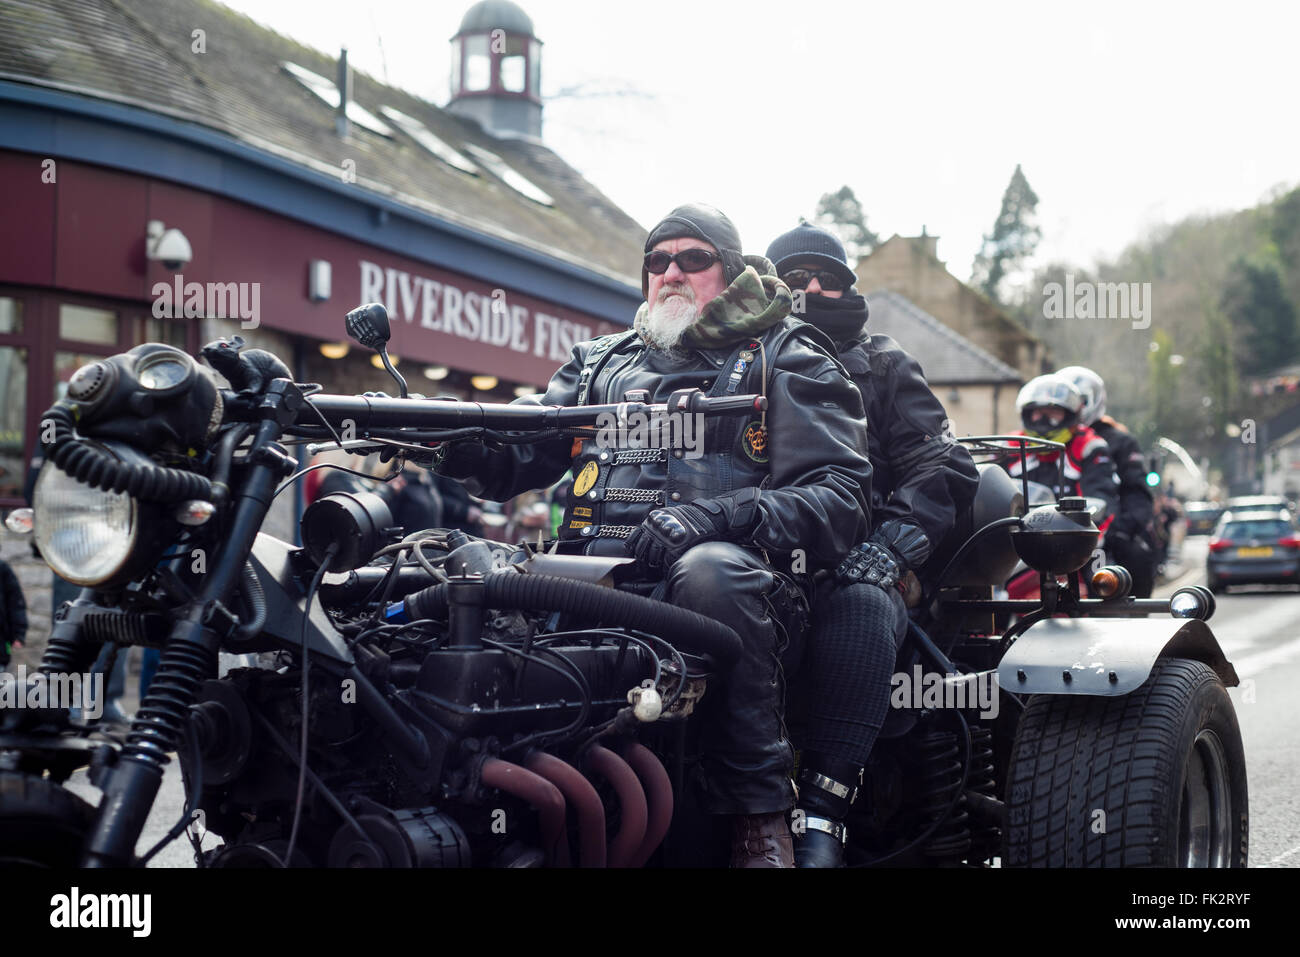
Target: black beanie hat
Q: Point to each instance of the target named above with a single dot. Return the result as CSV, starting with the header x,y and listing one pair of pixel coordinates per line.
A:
x,y
703,223
807,243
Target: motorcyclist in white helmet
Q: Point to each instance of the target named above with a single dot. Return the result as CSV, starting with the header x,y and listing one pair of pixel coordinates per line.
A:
x,y
1130,539
1052,408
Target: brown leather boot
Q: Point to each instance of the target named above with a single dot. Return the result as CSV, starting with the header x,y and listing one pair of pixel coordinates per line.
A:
x,y
761,840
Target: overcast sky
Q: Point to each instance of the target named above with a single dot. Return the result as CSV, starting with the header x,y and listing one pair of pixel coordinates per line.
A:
x,y
1123,115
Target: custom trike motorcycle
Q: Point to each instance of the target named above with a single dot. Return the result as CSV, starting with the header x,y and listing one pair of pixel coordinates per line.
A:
x,y
425,698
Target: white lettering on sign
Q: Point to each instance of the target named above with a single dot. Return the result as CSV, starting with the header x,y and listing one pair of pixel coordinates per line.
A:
x,y
471,315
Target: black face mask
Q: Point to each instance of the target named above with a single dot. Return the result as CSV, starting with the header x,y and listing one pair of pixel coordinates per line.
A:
x,y
842,319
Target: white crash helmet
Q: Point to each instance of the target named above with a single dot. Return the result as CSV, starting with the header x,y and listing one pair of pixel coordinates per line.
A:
x,y
1050,390
1093,390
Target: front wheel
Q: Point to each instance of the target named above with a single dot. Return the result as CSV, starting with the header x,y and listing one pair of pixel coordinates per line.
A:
x,y
41,823
1156,778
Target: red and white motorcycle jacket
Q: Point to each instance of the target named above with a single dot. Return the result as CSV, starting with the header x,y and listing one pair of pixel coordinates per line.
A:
x,y
1088,471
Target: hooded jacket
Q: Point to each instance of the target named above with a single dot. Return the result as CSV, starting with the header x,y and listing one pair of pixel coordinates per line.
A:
x,y
921,477
807,455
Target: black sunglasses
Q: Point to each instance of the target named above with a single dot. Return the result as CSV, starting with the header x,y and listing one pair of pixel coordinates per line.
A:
x,y
799,279
688,260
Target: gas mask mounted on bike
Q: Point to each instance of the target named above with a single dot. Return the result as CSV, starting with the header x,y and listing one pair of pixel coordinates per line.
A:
x,y
154,397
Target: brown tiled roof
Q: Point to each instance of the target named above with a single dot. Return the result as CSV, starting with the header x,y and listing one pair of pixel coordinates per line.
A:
x,y
138,52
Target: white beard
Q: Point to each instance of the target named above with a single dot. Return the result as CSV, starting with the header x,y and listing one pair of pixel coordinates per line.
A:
x,y
669,316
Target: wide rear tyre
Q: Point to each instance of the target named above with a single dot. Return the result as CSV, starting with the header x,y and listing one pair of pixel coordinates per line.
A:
x,y
41,824
1156,778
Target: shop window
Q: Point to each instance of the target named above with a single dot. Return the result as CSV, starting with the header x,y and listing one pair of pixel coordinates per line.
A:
x,y
164,330
13,396
11,315
87,324
478,65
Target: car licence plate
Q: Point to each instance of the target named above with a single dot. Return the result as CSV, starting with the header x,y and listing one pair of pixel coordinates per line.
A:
x,y
1262,552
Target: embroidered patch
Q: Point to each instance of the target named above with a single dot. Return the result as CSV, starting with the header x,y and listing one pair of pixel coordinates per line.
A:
x,y
582,512
754,441
577,524
586,478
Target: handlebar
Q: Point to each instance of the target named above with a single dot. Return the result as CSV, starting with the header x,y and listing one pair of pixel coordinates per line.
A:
x,y
367,412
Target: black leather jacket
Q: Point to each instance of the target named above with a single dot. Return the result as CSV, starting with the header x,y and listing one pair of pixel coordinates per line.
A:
x,y
809,458
921,475
1136,505
922,478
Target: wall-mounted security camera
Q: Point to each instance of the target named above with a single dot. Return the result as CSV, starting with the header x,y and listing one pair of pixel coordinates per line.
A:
x,y
167,246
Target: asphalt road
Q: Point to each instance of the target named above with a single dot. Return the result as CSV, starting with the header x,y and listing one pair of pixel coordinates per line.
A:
x,y
1259,630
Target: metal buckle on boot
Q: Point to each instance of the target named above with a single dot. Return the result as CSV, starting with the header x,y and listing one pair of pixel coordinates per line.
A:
x,y
835,829
819,780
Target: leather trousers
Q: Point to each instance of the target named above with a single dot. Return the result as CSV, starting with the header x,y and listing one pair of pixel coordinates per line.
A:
x,y
746,757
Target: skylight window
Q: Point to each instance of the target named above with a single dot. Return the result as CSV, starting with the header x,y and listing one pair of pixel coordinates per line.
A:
x,y
422,135
329,94
498,168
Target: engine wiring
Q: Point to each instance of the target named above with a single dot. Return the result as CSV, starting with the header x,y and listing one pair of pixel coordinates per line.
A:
x,y
584,692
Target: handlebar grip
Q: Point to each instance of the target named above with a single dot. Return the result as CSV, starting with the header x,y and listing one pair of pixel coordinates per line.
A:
x,y
729,403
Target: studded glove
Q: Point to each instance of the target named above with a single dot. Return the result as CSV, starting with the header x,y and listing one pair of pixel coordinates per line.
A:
x,y
667,533
872,563
894,548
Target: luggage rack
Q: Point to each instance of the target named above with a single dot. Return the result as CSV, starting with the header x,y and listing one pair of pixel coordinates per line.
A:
x,y
997,446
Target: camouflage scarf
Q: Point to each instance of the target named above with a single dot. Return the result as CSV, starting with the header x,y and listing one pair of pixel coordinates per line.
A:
x,y
755,301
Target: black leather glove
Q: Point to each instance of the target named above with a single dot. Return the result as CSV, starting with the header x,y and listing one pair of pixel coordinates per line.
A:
x,y
872,563
894,548
667,533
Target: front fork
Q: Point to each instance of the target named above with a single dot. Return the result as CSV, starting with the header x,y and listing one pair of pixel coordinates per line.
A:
x,y
189,657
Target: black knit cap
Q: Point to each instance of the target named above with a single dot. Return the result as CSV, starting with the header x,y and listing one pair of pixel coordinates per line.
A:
x,y
807,243
703,223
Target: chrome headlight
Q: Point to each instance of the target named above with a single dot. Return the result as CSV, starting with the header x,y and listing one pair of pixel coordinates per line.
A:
x,y
85,534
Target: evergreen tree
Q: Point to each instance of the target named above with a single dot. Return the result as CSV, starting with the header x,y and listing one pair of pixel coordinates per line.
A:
x,y
842,214
1262,316
1014,238
1284,230
1218,370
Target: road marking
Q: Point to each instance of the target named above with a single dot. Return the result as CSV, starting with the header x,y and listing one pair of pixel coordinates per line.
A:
x,y
1245,628
1253,664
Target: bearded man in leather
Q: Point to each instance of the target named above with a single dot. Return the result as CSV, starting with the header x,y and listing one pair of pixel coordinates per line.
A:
x,y
718,525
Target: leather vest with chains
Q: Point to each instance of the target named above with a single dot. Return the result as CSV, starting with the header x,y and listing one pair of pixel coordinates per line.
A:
x,y
620,475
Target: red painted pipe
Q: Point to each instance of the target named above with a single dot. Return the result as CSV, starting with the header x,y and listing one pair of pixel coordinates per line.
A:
x,y
542,795
584,800
659,794
631,799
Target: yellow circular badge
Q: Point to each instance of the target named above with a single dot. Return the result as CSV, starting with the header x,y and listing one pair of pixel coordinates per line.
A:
x,y
586,478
